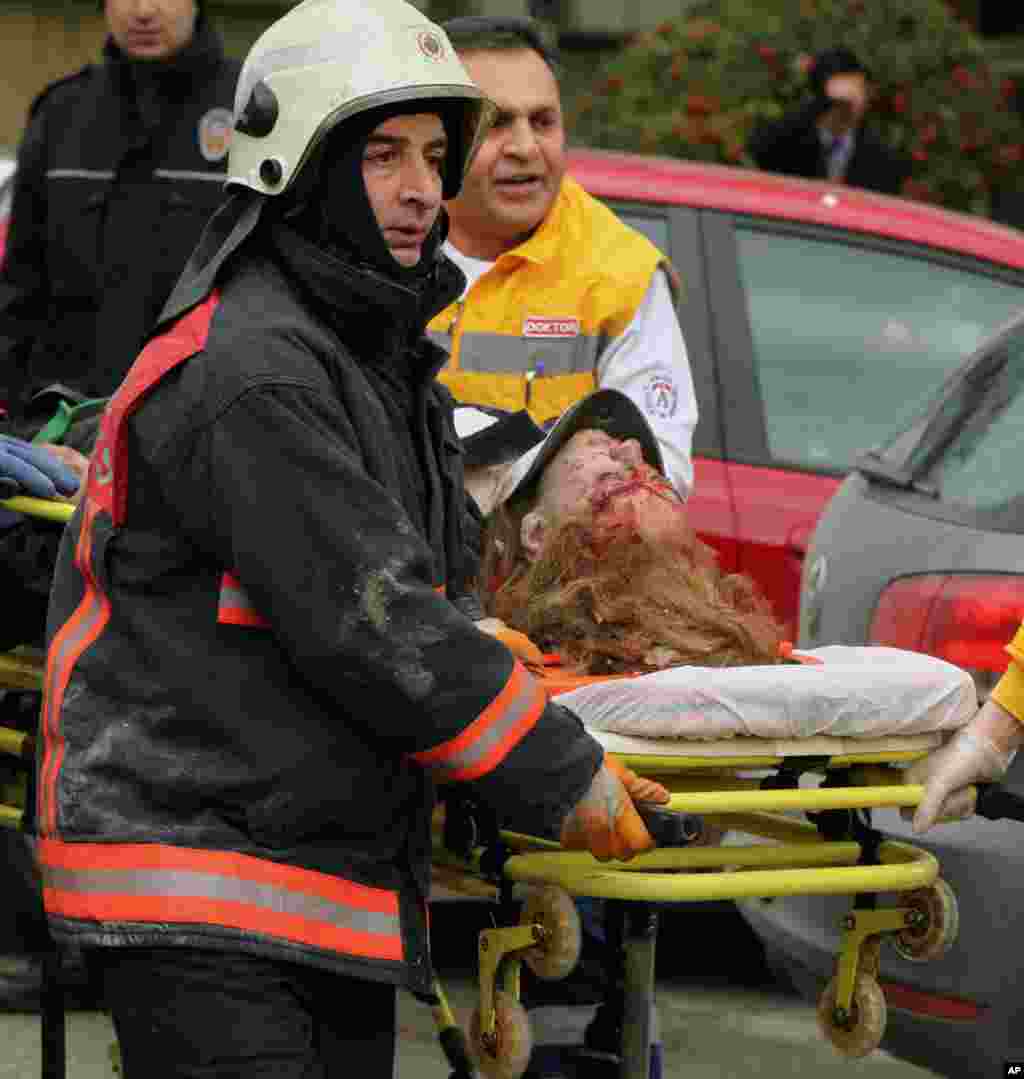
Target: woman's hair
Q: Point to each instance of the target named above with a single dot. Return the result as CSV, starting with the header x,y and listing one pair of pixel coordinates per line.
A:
x,y
634,606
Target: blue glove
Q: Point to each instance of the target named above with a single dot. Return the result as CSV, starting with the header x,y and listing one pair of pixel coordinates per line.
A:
x,y
30,470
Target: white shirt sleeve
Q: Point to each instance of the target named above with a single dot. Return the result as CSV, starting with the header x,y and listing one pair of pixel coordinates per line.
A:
x,y
648,363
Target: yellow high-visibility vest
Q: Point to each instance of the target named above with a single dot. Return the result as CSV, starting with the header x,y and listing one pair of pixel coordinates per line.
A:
x,y
530,332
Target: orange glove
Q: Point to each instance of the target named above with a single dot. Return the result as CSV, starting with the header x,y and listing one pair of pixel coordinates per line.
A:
x,y
517,643
605,821
638,788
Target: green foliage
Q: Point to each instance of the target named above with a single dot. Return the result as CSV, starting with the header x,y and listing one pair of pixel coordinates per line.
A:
x,y
695,87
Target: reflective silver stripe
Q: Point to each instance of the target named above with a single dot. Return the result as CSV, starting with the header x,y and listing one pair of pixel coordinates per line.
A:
x,y
163,174
184,884
234,606
186,174
79,174
234,596
496,353
473,760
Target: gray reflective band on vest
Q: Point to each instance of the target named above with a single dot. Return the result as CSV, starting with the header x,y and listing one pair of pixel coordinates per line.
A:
x,y
495,353
441,339
184,884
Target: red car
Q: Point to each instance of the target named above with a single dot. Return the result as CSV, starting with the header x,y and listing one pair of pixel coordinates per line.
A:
x,y
817,317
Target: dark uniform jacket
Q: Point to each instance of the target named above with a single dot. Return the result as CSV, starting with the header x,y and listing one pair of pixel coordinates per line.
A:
x,y
120,167
254,675
793,146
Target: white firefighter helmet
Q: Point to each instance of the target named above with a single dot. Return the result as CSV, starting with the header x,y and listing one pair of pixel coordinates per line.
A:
x,y
328,60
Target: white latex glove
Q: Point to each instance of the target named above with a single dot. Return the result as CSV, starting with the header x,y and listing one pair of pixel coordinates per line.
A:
x,y
980,752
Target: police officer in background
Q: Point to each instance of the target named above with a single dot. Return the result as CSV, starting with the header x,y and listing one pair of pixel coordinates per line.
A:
x,y
120,167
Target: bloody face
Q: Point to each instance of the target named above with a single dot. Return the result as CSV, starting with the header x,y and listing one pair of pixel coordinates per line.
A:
x,y
605,480
618,581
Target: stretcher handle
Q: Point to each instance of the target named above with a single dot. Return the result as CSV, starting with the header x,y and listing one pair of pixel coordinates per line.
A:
x,y
49,509
669,827
994,802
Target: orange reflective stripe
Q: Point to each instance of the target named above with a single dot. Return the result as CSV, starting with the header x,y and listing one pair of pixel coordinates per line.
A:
x,y
488,740
234,607
161,884
107,481
74,637
557,680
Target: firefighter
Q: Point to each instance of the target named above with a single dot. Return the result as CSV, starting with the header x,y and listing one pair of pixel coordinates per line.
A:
x,y
260,657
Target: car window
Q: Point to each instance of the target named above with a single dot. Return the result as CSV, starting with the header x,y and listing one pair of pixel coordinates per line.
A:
x,y
980,466
850,341
654,228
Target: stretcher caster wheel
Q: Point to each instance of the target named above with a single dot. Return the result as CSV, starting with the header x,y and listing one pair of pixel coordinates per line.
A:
x,y
858,1032
506,1054
933,926
560,939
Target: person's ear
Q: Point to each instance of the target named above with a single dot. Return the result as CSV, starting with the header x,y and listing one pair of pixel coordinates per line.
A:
x,y
532,534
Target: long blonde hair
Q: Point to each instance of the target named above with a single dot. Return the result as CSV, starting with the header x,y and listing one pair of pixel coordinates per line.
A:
x,y
632,606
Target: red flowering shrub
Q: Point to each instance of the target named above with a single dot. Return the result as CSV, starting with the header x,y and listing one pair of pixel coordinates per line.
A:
x,y
696,87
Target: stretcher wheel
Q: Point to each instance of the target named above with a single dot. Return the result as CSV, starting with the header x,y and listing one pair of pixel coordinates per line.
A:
x,y
509,1053
937,922
555,955
860,1032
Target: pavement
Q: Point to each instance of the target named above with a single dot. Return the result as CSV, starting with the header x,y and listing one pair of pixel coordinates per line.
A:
x,y
721,1015
716,1033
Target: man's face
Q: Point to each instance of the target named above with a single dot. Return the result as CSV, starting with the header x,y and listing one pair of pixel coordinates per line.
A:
x,y
518,170
606,482
151,29
849,90
402,167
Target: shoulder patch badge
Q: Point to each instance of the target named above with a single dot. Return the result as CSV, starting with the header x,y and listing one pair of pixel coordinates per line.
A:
x,y
661,396
215,130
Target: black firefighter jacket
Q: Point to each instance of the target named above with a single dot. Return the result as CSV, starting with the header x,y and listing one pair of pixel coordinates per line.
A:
x,y
120,167
254,676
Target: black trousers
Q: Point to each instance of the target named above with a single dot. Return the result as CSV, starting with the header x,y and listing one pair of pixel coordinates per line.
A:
x,y
182,1013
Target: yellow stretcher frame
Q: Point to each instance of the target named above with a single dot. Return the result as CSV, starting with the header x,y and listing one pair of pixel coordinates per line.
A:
x,y
792,859
789,857
45,508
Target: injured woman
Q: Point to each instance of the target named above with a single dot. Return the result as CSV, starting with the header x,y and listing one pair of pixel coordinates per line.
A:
x,y
589,553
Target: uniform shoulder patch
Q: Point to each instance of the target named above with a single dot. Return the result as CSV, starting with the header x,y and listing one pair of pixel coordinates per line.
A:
x,y
661,396
214,133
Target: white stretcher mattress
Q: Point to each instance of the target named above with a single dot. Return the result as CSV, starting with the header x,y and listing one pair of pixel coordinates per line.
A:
x,y
856,694
821,745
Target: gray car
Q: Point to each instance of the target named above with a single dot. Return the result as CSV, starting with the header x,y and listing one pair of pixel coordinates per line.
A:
x,y
922,548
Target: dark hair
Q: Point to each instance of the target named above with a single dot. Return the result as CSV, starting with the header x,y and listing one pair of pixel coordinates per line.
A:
x,y
835,61
489,33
